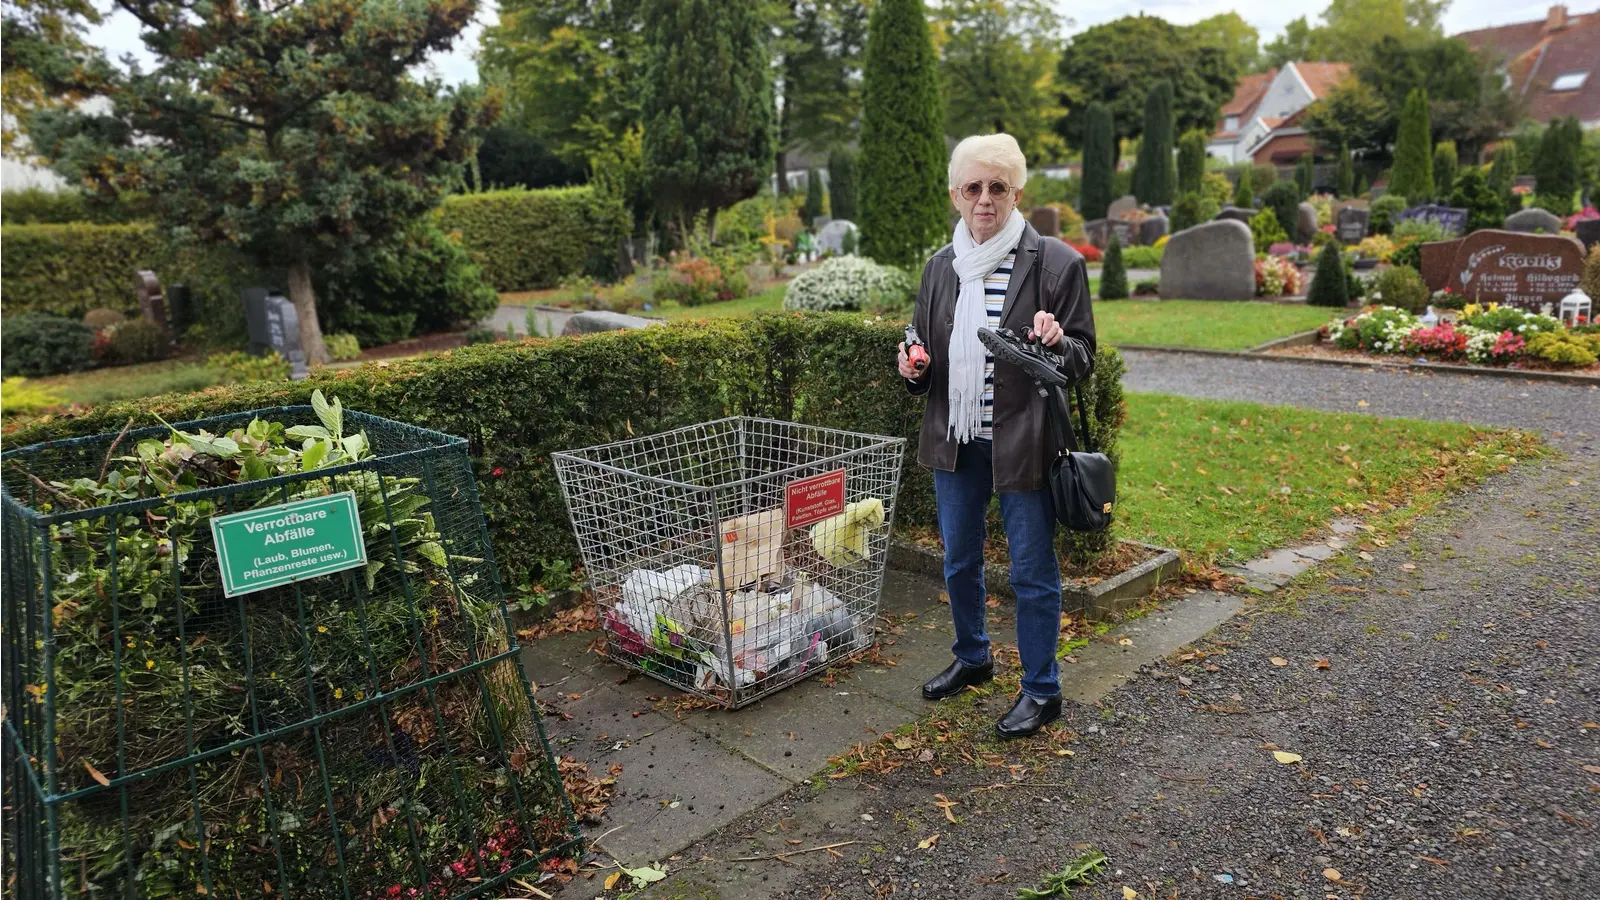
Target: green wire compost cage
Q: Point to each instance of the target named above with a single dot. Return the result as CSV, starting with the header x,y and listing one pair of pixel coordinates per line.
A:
x,y
177,724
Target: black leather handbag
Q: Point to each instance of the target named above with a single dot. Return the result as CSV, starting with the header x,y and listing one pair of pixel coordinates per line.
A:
x,y
1083,483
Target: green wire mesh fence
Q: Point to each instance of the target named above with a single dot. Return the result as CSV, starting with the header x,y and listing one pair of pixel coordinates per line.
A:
x,y
362,734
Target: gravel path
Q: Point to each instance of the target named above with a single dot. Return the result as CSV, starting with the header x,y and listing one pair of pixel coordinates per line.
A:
x,y
1569,415
1448,749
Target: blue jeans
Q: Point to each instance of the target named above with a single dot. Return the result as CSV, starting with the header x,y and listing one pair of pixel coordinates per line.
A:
x,y
1035,574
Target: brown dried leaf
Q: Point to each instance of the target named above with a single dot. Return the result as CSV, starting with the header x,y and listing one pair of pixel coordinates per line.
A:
x,y
97,775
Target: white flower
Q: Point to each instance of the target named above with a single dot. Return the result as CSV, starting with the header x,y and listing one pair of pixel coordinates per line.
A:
x,y
848,282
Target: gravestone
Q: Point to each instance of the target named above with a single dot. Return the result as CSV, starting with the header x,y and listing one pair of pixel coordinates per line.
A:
x,y
1210,261
820,222
1509,267
274,325
1046,220
1351,227
600,320
832,235
1534,219
1235,213
1451,219
1098,232
1125,204
1127,232
151,304
1151,229
1589,233
1305,227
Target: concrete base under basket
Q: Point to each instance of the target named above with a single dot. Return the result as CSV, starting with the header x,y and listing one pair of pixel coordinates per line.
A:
x,y
1095,601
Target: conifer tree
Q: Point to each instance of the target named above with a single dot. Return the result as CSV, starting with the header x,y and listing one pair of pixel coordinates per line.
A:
x,y
1113,274
1156,177
1099,155
1191,161
1329,286
1345,178
1412,175
842,185
1445,166
904,202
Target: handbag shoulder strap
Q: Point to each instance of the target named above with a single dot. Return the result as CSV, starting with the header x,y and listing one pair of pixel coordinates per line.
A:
x,y
1077,387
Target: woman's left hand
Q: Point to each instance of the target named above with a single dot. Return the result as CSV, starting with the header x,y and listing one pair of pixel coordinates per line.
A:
x,y
1046,329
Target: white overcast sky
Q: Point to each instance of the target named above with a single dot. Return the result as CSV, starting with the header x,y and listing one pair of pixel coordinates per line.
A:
x,y
119,34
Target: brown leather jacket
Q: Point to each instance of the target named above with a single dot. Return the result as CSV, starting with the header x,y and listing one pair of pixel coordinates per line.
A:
x,y
1022,446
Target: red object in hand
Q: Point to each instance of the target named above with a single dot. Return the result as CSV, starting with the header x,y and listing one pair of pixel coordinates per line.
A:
x,y
916,353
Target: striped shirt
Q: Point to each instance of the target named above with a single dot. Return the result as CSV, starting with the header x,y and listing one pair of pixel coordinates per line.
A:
x,y
994,301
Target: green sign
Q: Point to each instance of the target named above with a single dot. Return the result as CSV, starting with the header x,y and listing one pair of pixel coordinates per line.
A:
x,y
264,548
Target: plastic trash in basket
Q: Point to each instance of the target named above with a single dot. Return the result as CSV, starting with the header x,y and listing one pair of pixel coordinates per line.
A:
x,y
731,559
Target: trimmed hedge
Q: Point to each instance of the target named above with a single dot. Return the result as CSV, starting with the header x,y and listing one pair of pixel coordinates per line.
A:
x,y
516,403
527,240
68,270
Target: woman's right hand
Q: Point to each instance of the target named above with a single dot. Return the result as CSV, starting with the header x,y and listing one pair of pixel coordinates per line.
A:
x,y
907,371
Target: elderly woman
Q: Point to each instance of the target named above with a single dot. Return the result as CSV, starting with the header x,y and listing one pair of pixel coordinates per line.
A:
x,y
984,431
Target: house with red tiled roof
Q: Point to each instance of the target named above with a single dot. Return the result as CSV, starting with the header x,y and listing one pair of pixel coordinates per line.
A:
x,y
1261,122
1553,62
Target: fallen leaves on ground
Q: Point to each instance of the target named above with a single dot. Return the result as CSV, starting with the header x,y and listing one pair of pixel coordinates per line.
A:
x,y
583,617
590,796
1279,661
1323,664
1331,874
945,803
1285,757
928,842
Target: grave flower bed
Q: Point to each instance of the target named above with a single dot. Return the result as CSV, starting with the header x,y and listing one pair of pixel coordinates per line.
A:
x,y
1491,335
1277,277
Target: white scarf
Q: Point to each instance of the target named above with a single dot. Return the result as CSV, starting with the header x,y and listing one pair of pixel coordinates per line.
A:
x,y
974,262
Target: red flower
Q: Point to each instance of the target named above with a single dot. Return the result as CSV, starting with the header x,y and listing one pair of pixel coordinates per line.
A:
x,y
498,471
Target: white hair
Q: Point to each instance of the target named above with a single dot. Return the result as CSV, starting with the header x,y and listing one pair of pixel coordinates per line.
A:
x,y
998,150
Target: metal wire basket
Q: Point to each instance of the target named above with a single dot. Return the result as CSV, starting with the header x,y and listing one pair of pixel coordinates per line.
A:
x,y
734,558
359,734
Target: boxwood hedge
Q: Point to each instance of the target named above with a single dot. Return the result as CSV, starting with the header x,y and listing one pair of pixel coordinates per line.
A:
x,y
526,240
518,402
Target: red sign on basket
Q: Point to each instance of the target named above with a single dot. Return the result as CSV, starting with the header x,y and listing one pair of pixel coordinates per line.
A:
x,y
813,499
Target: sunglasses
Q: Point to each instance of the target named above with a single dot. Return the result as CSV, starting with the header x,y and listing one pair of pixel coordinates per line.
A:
x,y
973,190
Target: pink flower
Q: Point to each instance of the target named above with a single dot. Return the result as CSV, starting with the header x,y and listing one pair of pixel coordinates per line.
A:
x,y
498,471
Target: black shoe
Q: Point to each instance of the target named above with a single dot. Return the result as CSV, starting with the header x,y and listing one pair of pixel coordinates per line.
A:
x,y
1028,715
955,679
1041,364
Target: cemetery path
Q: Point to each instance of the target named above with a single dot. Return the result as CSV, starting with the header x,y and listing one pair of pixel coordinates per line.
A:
x,y
1440,701
1567,415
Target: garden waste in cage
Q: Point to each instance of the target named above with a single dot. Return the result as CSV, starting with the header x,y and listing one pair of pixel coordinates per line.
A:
x,y
180,724
731,559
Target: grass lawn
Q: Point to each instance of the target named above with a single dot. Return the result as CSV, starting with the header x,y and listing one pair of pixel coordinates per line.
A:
x,y
1211,324
1227,481
98,386
769,300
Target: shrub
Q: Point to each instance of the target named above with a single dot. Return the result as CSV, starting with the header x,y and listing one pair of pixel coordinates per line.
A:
x,y
36,344
698,280
134,341
1355,287
1276,277
342,346
1089,252
526,240
1114,275
1147,287
1423,230
1376,246
101,318
1284,199
1384,209
423,281
850,283
1142,257
1330,286
1265,230
68,270
1564,349
1473,193
21,396
842,185
1400,287
814,201
480,334
1215,187
1445,166
1262,177
1190,210
1590,280
37,206
1497,318
1192,161
1244,195
237,366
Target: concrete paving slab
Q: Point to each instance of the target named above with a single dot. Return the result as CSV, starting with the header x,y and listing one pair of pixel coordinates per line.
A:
x,y
676,765
1315,552
1285,563
1106,664
904,592
824,721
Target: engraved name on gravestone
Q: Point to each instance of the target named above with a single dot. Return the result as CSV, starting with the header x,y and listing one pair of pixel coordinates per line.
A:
x,y
1530,271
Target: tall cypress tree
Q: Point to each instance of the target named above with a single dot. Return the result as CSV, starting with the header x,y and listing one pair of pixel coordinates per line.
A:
x,y
1445,166
842,185
1099,155
1362,187
1503,175
904,201
1191,161
1558,165
1157,172
1113,273
706,156
813,207
1244,194
1412,175
1304,175
1345,178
